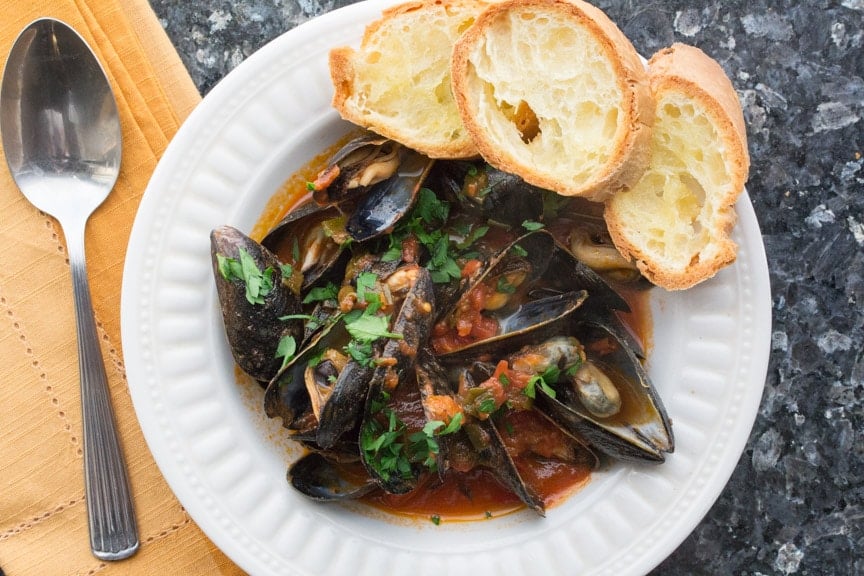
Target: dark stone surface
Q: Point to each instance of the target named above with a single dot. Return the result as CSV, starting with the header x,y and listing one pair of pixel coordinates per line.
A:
x,y
795,503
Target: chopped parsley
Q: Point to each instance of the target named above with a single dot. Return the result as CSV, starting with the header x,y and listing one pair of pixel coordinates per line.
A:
x,y
531,225
365,287
426,222
286,349
504,286
368,327
472,236
544,381
382,447
258,284
360,352
322,293
391,451
430,208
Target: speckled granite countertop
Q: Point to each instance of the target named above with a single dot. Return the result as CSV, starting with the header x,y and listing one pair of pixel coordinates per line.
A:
x,y
795,503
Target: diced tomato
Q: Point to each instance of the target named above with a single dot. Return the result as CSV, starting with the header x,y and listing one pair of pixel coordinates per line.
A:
x,y
471,267
467,324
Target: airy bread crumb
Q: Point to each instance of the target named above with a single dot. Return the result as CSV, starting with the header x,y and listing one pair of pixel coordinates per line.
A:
x,y
676,221
398,83
553,91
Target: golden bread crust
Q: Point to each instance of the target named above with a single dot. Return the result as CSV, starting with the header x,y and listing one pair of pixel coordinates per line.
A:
x,y
628,157
684,75
357,85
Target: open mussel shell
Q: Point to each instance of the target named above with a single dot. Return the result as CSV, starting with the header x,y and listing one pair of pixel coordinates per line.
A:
x,y
640,430
326,480
301,387
395,365
362,162
311,238
530,252
566,272
486,439
253,330
286,395
530,322
388,201
341,412
488,192
435,388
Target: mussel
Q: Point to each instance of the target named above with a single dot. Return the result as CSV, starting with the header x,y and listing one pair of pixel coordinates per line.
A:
x,y
628,420
254,295
432,320
375,181
484,190
388,201
328,480
361,163
394,368
310,238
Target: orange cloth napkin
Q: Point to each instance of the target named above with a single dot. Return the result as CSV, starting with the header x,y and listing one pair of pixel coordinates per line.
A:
x,y
43,522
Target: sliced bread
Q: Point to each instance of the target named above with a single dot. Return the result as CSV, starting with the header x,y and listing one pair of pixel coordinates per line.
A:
x,y
553,91
398,83
676,221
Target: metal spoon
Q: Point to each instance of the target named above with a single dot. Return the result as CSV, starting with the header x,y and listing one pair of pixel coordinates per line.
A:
x,y
61,136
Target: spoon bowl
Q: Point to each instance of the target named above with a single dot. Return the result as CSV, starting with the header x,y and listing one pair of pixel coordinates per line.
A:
x,y
61,137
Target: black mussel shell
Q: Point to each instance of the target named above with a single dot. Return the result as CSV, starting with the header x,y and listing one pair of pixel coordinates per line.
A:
x,y
343,409
308,238
488,192
565,272
486,440
414,323
253,330
434,382
641,431
532,321
388,201
325,480
286,396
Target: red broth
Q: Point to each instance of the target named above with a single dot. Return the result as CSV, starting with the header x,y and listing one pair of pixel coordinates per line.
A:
x,y
476,493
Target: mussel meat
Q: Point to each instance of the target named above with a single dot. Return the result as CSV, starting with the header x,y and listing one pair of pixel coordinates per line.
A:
x,y
430,322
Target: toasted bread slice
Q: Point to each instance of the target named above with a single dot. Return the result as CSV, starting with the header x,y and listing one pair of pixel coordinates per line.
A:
x,y
553,91
676,221
398,83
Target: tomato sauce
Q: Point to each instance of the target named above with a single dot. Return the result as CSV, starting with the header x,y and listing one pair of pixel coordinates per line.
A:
x,y
466,491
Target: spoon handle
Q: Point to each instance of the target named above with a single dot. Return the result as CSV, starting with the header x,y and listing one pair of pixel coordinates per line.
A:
x,y
110,513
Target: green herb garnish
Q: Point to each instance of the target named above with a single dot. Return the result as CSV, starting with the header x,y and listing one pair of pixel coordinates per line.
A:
x,y
544,381
322,293
258,284
368,327
360,352
504,286
472,237
286,349
365,285
430,208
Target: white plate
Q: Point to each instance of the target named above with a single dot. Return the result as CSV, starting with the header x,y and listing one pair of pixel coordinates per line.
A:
x,y
226,462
